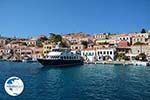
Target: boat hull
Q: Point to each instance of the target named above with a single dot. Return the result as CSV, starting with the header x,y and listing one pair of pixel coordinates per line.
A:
x,y
59,63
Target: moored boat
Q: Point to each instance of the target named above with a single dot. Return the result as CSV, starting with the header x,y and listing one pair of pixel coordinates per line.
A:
x,y
61,57
140,63
29,60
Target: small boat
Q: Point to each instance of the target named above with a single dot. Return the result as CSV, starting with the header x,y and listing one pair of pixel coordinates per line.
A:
x,y
61,57
140,63
28,60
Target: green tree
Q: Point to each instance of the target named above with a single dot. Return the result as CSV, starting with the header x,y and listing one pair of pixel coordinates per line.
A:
x,y
122,56
104,43
42,38
141,57
24,44
85,43
143,31
139,43
54,38
39,43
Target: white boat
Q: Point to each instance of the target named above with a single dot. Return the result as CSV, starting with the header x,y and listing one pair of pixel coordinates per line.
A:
x,y
61,57
28,59
140,63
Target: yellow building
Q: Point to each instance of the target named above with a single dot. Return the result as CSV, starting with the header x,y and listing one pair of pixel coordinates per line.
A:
x,y
47,47
109,41
77,47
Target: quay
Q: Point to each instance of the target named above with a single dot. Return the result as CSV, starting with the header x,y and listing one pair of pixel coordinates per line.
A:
x,y
111,62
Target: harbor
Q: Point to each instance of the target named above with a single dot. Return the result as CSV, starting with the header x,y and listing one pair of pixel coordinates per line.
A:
x,y
88,81
75,50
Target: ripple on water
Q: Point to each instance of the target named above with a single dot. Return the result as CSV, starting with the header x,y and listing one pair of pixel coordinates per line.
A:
x,y
89,82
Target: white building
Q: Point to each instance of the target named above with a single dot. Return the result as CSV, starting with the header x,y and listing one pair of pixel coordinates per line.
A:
x,y
89,54
125,37
105,54
100,54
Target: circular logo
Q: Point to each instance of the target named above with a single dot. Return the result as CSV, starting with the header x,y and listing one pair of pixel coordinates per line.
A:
x,y
14,86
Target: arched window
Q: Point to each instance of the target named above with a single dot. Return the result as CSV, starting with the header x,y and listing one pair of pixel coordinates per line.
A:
x,y
110,52
104,52
107,52
101,52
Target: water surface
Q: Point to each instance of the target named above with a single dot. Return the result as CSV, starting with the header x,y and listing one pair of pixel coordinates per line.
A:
x,y
87,82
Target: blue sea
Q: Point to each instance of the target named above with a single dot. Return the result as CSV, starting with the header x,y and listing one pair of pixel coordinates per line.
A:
x,y
87,82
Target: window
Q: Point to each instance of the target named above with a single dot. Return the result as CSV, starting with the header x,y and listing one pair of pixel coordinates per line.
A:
x,y
98,52
107,52
104,52
86,53
89,54
64,57
101,52
110,52
67,57
92,53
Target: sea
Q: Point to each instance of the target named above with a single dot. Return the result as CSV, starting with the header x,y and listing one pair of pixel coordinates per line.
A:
x,y
85,82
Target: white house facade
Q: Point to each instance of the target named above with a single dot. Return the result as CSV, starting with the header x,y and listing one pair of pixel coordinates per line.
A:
x,y
105,54
89,55
101,54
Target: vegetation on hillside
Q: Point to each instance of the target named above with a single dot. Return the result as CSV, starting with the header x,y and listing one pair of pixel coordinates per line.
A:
x,y
85,43
54,38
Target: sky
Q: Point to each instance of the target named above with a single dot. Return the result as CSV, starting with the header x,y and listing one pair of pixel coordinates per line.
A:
x,y
27,18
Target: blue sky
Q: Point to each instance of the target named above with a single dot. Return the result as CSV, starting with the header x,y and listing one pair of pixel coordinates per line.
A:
x,y
26,18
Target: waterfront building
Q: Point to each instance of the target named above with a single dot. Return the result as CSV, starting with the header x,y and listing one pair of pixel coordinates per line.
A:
x,y
89,54
26,51
123,47
103,54
137,49
37,52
